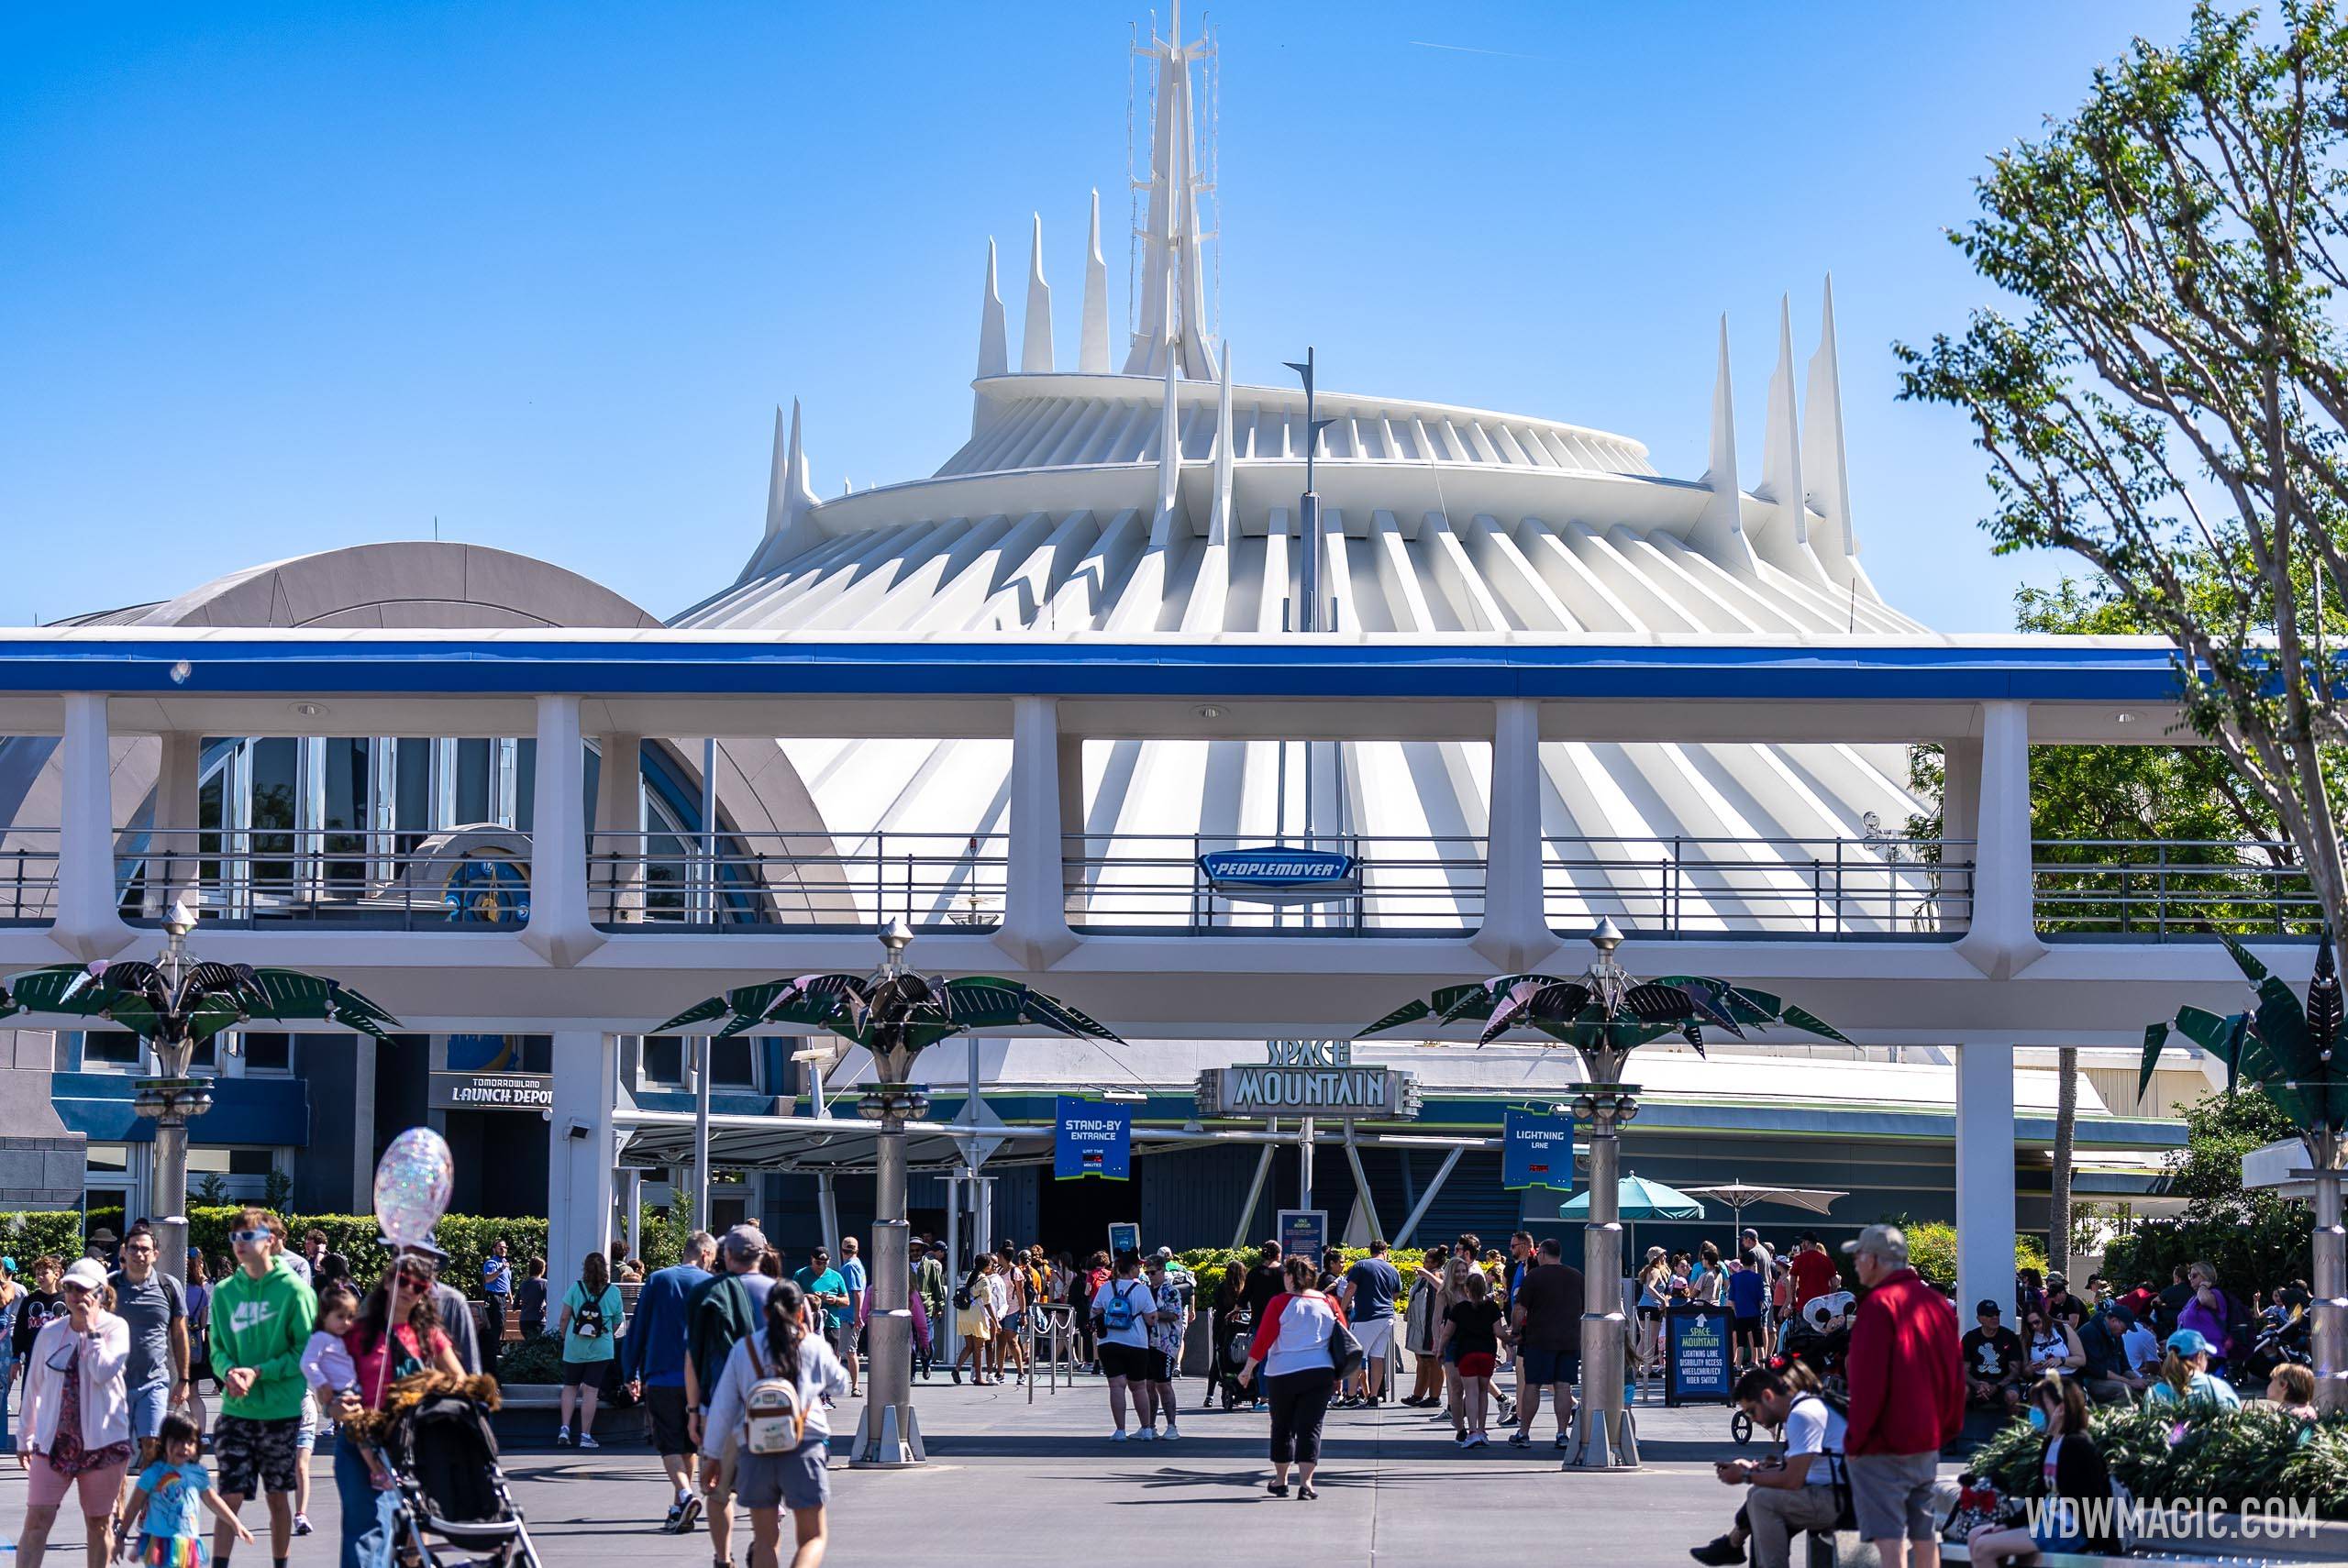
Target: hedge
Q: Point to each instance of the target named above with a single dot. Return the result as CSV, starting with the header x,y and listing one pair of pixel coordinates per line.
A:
x,y
27,1234
2271,1245
2220,1456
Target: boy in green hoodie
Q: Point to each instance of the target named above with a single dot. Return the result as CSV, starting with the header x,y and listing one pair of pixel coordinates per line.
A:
x,y
261,1316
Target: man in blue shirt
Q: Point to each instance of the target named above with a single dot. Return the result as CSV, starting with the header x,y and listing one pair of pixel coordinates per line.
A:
x,y
652,1360
852,1271
497,1291
826,1289
1748,1294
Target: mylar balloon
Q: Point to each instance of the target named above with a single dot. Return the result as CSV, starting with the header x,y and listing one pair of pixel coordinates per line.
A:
x,y
411,1185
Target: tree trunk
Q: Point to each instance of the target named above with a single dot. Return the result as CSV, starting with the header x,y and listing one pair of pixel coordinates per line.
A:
x,y
2067,1122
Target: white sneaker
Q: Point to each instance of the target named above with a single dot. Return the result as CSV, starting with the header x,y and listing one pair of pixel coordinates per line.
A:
x,y
1171,1432
1117,1436
586,1441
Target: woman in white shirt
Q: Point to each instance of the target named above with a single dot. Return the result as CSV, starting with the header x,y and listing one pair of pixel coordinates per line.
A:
x,y
1291,1346
73,1433
769,1483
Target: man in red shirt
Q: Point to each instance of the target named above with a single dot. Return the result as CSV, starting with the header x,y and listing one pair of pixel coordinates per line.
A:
x,y
1907,1385
1814,1272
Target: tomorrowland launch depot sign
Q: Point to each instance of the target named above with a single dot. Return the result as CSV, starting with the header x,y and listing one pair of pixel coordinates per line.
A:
x,y
1309,1077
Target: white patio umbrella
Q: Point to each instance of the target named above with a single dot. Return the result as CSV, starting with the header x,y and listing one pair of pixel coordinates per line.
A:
x,y
1740,1196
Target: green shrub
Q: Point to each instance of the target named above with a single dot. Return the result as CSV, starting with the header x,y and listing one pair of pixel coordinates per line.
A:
x,y
2257,1249
1931,1251
2224,1457
531,1361
27,1234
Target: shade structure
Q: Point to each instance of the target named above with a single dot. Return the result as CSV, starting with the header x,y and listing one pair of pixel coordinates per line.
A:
x,y
1740,1196
1639,1199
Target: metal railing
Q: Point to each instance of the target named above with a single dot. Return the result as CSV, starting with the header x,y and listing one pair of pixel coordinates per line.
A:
x,y
1839,887
469,879
2160,890
933,881
1153,883
27,876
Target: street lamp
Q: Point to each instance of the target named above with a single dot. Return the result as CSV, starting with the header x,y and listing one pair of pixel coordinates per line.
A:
x,y
175,1005
894,1014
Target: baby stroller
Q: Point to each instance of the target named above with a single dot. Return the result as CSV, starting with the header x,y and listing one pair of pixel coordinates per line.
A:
x,y
1234,1331
436,1436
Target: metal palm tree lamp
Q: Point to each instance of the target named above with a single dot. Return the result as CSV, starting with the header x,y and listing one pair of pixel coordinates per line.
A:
x,y
895,1015
1604,1016
175,1005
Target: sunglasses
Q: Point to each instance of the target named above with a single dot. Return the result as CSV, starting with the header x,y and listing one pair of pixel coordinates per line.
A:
x,y
252,1237
414,1274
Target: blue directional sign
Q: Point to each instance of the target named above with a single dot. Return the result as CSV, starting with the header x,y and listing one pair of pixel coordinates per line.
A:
x,y
1536,1149
1093,1138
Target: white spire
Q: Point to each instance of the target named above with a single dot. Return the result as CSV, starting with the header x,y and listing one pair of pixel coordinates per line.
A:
x,y
1169,444
994,353
1092,347
1822,462
1173,285
1781,445
1219,524
789,495
1036,348
1720,526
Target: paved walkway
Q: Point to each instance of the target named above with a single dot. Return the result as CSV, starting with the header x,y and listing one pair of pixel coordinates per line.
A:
x,y
1043,1481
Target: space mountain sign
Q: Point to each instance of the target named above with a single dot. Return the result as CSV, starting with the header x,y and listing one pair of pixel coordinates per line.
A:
x,y
1308,1078
1280,875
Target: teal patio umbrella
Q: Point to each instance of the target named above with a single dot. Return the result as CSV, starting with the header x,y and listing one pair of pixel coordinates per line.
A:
x,y
1640,1199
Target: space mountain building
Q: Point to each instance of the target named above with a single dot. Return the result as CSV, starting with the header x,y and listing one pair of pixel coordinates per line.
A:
x,y
1130,484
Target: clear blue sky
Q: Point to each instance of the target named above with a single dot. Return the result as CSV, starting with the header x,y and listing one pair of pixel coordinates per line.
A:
x,y
278,277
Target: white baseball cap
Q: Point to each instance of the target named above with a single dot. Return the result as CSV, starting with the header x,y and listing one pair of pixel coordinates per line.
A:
x,y
86,1272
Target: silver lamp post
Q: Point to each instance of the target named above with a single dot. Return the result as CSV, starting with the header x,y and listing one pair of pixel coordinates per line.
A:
x,y
1604,1437
172,1098
2326,1146
889,1435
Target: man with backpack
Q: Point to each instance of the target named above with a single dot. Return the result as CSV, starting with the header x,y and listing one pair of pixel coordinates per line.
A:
x,y
1122,1313
1806,1490
718,1313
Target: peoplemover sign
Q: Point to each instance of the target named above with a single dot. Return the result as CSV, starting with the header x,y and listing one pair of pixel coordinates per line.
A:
x,y
1279,875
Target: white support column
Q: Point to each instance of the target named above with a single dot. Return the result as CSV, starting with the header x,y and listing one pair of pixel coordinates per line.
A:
x,y
615,866
2003,940
89,924
178,804
1515,933
1035,930
582,1153
1960,825
560,929
1984,1175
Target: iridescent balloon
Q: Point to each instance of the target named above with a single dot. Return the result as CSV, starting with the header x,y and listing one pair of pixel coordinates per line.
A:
x,y
411,1185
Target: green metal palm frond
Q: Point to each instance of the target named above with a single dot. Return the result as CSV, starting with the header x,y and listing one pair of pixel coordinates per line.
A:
x,y
2287,1048
289,994
1408,1013
908,1011
1756,1008
699,1012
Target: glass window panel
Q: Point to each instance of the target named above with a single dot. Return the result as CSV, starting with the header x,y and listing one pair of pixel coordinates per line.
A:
x,y
412,789
537,1052
202,1161
732,1064
117,1046
251,1162
664,1059
268,1053
276,765
473,767
108,1157
346,817
526,781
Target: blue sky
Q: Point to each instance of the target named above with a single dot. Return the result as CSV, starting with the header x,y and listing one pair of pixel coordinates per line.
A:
x,y
277,278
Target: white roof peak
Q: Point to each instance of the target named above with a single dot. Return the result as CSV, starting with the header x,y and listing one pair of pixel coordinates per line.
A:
x,y
1173,287
1036,348
1092,346
994,351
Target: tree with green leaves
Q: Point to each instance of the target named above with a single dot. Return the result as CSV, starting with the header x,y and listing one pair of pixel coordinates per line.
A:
x,y
2167,396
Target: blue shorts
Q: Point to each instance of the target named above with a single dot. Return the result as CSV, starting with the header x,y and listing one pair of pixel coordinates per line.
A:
x,y
150,1403
1536,1367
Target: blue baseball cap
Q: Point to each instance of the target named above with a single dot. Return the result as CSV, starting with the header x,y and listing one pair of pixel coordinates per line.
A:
x,y
2189,1341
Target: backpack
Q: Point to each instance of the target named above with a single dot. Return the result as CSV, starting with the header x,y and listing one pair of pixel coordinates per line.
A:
x,y
1838,1474
774,1418
965,1293
587,1320
1117,1313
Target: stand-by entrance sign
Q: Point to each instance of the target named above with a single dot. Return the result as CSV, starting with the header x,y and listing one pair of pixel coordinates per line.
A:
x,y
1092,1138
